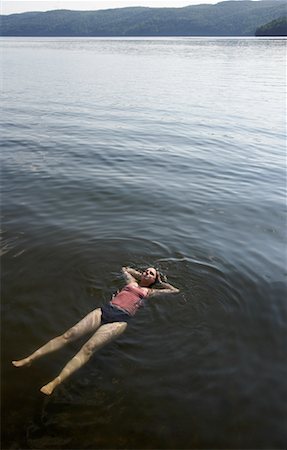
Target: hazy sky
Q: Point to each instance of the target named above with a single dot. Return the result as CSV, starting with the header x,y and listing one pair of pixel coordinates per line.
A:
x,y
13,6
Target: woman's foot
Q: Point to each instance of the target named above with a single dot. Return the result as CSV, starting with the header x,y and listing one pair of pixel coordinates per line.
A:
x,y
22,362
48,388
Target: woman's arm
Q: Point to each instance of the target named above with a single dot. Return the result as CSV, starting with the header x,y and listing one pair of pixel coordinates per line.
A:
x,y
131,275
164,288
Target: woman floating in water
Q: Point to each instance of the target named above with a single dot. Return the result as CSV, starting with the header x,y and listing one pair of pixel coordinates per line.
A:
x,y
107,322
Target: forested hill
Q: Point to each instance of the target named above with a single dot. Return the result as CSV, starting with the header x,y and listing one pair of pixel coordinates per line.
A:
x,y
275,28
229,18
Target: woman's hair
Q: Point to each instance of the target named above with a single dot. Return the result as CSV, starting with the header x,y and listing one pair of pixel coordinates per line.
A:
x,y
159,276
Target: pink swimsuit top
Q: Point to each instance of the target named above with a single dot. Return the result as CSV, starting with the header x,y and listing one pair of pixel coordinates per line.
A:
x,y
130,298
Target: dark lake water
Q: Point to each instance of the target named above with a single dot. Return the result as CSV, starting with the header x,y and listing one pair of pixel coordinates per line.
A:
x,y
166,152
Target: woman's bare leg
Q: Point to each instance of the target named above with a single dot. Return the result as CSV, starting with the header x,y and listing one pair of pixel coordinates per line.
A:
x,y
89,323
103,335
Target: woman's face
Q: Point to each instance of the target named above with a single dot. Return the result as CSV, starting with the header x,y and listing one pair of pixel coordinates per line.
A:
x,y
149,276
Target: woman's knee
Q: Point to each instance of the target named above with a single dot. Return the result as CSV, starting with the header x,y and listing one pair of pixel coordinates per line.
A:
x,y
88,349
89,323
103,336
69,335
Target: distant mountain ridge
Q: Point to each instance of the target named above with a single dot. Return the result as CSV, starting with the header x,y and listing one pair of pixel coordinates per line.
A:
x,y
229,18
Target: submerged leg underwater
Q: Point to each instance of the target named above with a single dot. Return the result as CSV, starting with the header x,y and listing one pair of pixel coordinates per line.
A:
x,y
103,335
